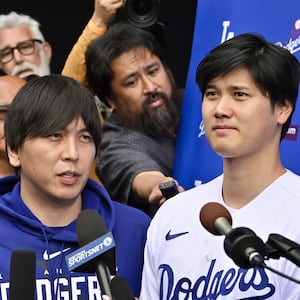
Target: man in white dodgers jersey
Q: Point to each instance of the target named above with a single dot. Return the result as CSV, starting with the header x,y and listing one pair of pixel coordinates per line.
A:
x,y
249,89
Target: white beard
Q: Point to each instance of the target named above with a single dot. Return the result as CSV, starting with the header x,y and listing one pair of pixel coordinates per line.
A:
x,y
27,69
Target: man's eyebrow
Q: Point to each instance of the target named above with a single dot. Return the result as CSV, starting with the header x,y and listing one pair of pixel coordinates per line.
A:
x,y
232,87
239,87
129,76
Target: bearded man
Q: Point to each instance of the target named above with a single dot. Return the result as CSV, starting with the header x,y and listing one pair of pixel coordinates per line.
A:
x,y
127,70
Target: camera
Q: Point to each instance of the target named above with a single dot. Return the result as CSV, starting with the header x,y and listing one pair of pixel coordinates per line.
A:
x,y
142,13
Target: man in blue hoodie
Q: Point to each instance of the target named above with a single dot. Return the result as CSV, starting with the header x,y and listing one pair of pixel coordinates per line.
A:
x,y
52,133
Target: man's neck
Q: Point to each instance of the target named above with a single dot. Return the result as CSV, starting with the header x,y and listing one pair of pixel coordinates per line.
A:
x,y
244,181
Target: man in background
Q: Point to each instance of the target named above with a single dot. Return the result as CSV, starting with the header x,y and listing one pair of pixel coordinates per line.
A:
x,y
9,86
127,69
23,49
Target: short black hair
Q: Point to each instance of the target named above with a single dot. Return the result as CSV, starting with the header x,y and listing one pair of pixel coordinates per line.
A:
x,y
48,104
273,68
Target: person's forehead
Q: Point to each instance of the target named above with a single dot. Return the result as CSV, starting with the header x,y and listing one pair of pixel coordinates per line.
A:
x,y
9,88
137,53
11,36
133,59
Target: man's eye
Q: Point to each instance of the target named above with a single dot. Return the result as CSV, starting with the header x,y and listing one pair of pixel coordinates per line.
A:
x,y
5,52
86,138
131,82
24,46
53,136
153,71
211,94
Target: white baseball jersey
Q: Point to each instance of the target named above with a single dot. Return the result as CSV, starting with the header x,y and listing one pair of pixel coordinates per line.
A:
x,y
184,261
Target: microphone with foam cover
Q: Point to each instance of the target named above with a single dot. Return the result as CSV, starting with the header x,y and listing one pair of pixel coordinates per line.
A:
x,y
215,218
22,275
120,289
90,226
241,244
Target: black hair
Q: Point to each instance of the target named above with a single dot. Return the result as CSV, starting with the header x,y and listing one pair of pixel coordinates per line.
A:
x,y
273,68
120,38
48,104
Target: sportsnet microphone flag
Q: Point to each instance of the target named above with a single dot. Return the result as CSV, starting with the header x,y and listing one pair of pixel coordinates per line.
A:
x,y
217,21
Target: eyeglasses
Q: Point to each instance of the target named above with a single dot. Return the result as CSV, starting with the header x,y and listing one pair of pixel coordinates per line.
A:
x,y
25,48
3,111
4,107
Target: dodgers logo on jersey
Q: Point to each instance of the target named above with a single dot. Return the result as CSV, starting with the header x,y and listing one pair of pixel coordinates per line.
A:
x,y
216,284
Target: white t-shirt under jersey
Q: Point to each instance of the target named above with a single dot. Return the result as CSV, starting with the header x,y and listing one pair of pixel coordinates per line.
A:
x,y
184,261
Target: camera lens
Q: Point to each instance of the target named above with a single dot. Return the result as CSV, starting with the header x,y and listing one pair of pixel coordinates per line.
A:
x,y
141,7
142,13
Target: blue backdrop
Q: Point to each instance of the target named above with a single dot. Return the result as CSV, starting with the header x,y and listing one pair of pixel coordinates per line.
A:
x,y
216,21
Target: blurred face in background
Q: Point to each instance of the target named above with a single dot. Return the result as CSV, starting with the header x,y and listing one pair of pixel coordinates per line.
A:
x,y
9,86
21,55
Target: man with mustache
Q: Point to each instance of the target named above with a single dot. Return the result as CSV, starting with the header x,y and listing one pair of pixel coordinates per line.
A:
x,y
23,49
127,70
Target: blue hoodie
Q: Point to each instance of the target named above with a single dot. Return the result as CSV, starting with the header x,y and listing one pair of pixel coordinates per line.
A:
x,y
20,229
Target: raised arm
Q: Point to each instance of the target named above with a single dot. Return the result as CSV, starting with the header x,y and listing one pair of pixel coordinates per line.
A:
x,y
103,14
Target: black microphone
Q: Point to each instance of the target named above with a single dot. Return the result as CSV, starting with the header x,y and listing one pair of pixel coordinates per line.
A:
x,y
279,246
90,226
22,275
120,289
241,244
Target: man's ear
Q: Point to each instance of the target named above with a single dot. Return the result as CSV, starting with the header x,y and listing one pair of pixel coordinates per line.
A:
x,y
111,103
284,111
48,50
13,157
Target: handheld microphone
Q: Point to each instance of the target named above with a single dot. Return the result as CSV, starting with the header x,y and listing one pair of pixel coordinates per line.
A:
x,y
241,244
278,246
120,289
22,275
97,252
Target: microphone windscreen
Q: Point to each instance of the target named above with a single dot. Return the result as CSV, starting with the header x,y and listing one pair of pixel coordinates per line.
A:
x,y
22,275
210,212
89,226
120,289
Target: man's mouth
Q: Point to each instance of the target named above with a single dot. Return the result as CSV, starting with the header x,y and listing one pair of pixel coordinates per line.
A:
x,y
24,73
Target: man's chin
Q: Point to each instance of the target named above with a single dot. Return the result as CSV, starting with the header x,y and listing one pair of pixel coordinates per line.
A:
x,y
24,73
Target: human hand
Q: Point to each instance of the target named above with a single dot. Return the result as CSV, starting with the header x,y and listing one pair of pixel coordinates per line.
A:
x,y
105,11
156,196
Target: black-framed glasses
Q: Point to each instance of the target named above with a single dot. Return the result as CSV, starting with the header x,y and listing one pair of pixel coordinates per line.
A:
x,y
25,48
4,107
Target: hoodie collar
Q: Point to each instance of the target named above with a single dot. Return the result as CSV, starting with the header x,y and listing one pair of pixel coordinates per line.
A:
x,y
94,196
